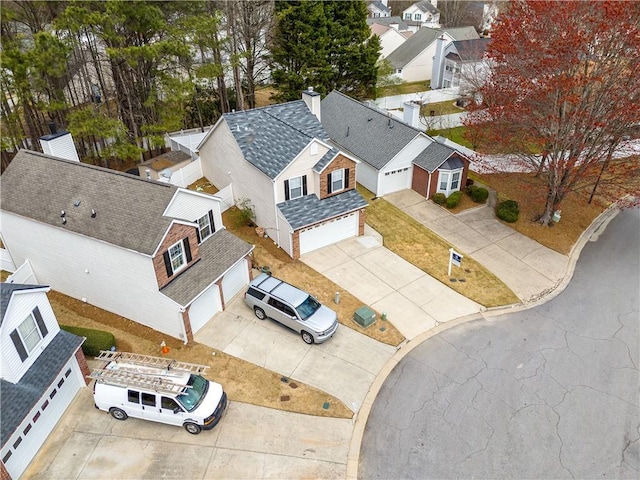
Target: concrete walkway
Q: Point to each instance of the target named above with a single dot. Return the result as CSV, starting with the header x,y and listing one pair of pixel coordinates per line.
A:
x,y
413,301
528,268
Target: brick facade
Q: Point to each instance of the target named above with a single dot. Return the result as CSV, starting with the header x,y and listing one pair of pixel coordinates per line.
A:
x,y
176,233
420,181
336,164
361,221
4,474
295,245
187,325
84,367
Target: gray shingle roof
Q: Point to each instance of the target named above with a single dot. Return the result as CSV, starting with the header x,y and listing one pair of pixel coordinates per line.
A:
x,y
433,156
426,6
309,209
380,6
128,208
387,21
420,40
364,131
271,137
325,160
18,399
471,50
6,291
217,255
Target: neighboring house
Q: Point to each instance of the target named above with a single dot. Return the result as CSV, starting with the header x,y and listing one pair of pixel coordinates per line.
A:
x,y
149,251
390,38
378,8
42,368
423,12
394,22
394,156
301,188
460,63
413,60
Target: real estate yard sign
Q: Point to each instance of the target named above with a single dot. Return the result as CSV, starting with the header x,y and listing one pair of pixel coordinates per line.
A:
x,y
454,259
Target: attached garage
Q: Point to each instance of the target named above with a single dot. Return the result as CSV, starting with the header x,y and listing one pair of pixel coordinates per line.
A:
x,y
326,233
394,180
235,280
204,308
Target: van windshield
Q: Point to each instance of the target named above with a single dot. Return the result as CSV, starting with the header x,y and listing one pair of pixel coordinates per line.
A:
x,y
192,397
308,307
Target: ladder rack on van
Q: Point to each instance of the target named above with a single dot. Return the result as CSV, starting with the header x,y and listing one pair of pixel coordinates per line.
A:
x,y
123,378
149,361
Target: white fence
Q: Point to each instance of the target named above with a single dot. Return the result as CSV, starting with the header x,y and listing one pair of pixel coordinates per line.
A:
x,y
6,262
226,195
186,175
24,275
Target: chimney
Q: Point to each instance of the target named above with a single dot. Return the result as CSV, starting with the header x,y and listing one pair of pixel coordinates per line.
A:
x,y
312,99
438,63
411,114
59,144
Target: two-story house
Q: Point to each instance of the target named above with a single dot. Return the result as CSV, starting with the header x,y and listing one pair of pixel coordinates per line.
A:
x,y
378,9
424,12
460,63
41,370
149,251
394,155
302,189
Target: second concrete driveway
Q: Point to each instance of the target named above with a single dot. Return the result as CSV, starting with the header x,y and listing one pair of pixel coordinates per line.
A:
x,y
413,301
344,366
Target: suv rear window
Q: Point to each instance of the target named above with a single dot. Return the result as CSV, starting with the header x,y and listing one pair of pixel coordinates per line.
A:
x,y
255,293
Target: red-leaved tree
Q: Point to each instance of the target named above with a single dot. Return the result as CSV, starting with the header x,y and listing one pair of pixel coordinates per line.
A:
x,y
563,90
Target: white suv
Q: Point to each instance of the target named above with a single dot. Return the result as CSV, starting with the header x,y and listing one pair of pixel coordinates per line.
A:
x,y
272,298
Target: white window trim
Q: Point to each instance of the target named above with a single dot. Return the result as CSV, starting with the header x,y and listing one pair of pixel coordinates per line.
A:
x,y
207,222
183,254
449,190
24,337
291,188
341,180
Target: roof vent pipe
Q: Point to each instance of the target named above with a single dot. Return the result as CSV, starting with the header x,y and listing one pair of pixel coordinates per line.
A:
x,y
52,127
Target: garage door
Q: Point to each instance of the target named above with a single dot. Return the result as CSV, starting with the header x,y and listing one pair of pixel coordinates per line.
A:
x,y
395,180
328,233
204,308
235,280
30,436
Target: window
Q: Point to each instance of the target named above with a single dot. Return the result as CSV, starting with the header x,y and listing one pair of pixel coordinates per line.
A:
x,y
295,187
255,293
36,417
17,443
6,458
60,382
168,403
149,399
44,406
449,181
177,257
417,17
29,333
67,373
206,227
444,181
133,396
407,16
398,70
455,181
26,430
53,394
338,180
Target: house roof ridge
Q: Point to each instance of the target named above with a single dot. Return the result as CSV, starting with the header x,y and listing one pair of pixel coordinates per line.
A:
x,y
290,125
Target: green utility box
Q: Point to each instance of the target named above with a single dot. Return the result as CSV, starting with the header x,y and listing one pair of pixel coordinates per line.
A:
x,y
364,316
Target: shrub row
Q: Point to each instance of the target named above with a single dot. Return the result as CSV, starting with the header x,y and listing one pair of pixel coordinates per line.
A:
x,y
478,194
450,202
96,340
508,211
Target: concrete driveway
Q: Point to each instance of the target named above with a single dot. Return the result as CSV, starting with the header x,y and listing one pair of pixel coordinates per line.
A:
x,y
528,268
413,301
249,443
344,366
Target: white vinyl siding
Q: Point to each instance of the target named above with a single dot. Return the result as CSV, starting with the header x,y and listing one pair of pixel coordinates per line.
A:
x,y
367,176
30,434
80,267
301,166
399,169
191,206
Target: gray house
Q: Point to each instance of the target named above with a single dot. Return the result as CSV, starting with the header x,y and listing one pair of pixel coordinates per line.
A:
x,y
42,368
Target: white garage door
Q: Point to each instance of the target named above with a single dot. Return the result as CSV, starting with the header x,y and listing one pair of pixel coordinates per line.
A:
x,y
30,436
328,233
204,308
235,280
395,180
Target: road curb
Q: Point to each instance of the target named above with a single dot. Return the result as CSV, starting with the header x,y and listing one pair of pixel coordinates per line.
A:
x,y
360,421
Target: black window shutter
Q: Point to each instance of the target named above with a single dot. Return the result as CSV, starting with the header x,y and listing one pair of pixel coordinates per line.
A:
x,y
19,345
167,263
346,178
213,225
198,234
286,189
40,322
187,249
304,185
328,183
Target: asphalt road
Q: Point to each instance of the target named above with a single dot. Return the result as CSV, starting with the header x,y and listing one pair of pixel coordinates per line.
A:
x,y
548,392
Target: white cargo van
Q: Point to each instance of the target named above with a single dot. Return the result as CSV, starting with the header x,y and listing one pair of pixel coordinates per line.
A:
x,y
157,389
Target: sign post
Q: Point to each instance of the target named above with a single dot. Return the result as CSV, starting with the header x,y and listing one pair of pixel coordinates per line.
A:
x,y
454,259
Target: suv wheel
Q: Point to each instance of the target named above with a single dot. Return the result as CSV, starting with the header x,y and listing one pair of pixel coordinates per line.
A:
x,y
259,313
307,337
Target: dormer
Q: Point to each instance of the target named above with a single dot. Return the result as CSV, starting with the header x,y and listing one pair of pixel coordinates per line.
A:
x,y
178,250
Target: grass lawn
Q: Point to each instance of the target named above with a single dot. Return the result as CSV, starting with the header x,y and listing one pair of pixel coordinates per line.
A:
x,y
440,108
403,88
420,246
455,134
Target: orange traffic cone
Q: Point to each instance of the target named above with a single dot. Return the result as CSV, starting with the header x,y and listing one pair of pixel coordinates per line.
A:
x,y
165,349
